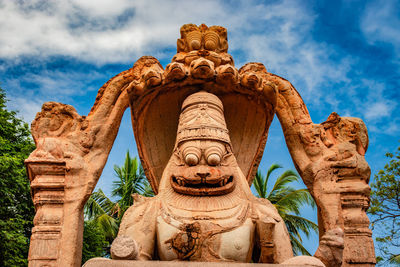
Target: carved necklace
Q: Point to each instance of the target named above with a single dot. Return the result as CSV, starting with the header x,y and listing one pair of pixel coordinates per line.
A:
x,y
192,233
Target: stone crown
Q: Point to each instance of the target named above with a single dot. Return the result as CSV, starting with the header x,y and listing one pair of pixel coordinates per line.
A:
x,y
202,117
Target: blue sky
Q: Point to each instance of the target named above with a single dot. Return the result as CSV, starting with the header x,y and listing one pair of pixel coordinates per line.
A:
x,y
342,56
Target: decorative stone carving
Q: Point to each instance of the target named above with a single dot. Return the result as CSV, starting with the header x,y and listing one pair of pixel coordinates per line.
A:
x,y
65,167
200,126
204,210
330,159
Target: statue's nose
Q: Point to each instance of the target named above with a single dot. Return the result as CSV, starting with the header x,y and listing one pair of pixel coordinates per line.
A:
x,y
203,172
203,175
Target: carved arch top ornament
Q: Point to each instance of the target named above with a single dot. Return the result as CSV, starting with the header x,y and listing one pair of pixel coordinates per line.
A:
x,y
201,64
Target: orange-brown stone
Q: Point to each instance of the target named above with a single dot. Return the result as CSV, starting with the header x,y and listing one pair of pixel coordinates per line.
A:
x,y
200,155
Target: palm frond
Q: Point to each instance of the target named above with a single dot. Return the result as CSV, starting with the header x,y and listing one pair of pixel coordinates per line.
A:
x,y
302,224
92,209
131,179
298,248
108,214
148,191
288,201
282,181
98,204
395,259
295,199
271,169
258,184
108,225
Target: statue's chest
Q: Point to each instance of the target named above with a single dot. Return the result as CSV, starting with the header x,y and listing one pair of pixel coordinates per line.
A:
x,y
205,240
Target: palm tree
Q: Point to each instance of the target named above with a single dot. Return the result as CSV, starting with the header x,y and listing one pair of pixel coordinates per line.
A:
x,y
107,213
288,201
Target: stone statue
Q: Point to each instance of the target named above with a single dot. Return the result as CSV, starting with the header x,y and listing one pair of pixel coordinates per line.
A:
x,y
204,210
200,126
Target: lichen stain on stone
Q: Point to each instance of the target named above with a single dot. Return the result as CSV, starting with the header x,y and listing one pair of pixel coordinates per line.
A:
x,y
186,242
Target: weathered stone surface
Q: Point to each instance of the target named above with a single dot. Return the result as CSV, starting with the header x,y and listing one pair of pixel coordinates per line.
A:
x,y
200,160
124,247
304,261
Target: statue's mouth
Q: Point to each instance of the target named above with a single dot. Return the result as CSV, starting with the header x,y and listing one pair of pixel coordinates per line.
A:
x,y
252,79
203,187
229,71
176,68
203,67
152,78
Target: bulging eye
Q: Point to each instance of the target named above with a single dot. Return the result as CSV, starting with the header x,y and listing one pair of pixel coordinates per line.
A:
x,y
194,40
211,40
191,159
214,159
195,44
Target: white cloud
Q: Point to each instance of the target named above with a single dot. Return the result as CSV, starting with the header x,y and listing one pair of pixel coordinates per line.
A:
x,y
96,31
277,34
48,85
381,22
285,45
26,107
372,101
119,31
100,32
379,109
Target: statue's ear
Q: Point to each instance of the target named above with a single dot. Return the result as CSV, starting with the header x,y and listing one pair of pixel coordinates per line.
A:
x,y
227,155
180,45
177,157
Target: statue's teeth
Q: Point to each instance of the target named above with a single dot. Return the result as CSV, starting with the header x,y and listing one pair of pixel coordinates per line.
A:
x,y
180,182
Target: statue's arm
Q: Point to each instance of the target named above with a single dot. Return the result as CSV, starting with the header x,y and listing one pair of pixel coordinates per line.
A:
x,y
272,236
139,224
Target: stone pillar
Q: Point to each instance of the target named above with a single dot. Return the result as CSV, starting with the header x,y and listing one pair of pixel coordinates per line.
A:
x,y
330,158
71,151
358,244
47,178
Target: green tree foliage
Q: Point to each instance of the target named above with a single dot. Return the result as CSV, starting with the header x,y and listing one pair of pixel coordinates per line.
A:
x,y
16,209
94,242
106,213
288,202
131,180
385,210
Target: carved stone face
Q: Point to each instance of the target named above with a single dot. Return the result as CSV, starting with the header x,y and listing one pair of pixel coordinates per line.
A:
x,y
204,169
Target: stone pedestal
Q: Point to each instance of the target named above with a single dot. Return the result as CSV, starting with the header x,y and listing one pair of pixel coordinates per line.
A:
x,y
47,189
96,262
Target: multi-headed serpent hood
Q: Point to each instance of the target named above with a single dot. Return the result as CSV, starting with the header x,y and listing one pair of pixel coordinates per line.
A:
x,y
201,64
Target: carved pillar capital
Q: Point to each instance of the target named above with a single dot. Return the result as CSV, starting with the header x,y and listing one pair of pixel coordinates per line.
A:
x,y
47,179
